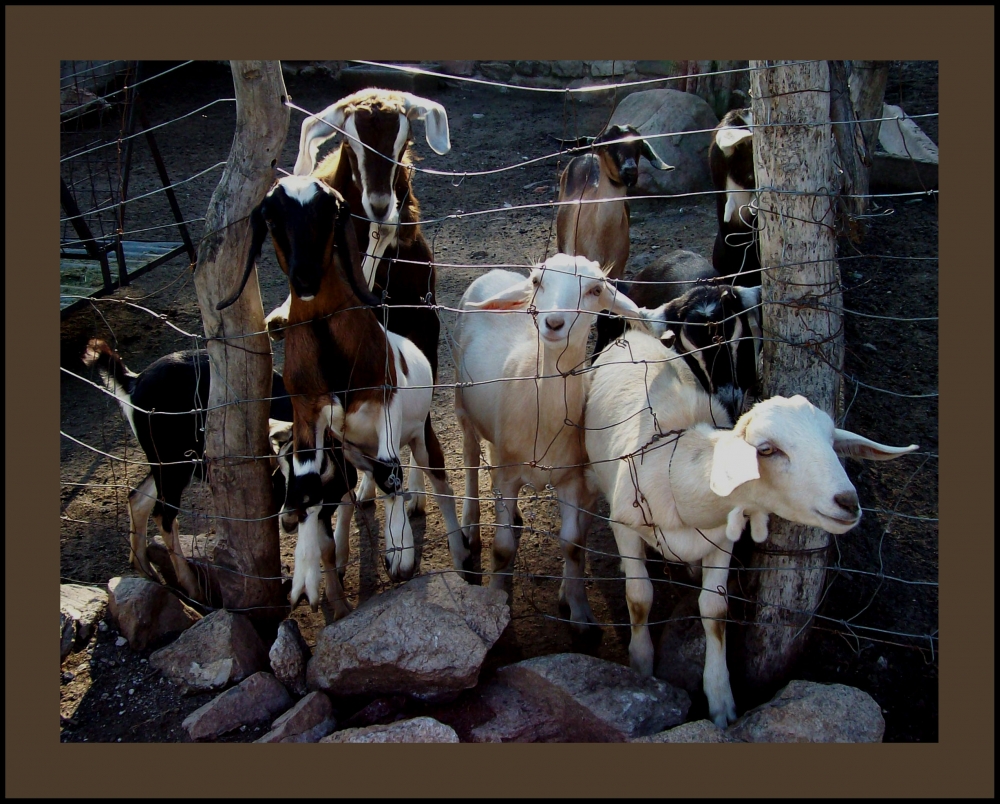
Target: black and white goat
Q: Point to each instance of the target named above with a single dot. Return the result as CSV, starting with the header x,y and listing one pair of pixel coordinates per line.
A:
x,y
165,407
679,484
595,222
730,161
371,387
715,326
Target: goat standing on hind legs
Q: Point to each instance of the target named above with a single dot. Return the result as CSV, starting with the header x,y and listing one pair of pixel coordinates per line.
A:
x,y
371,388
372,170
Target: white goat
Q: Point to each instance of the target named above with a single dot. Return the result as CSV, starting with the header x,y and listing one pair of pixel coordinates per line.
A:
x,y
686,488
520,345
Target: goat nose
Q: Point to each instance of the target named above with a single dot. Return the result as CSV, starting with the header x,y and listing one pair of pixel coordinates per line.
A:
x,y
555,323
380,211
848,501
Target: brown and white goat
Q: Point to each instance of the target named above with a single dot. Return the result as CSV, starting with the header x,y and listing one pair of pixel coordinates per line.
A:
x,y
595,222
730,159
372,171
346,373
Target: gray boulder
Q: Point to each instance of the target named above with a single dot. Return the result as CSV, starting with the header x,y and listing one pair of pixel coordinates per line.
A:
x,y
690,119
808,712
699,731
145,611
425,638
256,699
219,650
417,730
571,697
289,655
80,609
307,722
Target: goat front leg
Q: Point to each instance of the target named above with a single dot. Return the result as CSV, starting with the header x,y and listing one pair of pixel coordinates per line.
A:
x,y
638,595
505,540
310,545
277,320
416,490
470,457
714,607
140,505
573,540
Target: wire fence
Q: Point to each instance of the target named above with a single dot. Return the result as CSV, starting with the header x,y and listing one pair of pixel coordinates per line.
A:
x,y
466,211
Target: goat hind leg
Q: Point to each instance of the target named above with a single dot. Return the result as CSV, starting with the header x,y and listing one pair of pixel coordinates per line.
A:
x,y
573,590
141,502
638,595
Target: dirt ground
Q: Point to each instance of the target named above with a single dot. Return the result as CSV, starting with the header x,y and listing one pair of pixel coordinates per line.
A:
x,y
880,611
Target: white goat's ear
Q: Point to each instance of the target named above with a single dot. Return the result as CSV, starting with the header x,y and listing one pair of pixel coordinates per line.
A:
x,y
622,304
734,462
279,432
435,121
728,138
655,323
851,445
512,298
315,131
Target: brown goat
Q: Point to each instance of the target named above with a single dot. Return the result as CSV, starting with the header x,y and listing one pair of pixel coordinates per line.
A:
x,y
371,170
596,226
337,372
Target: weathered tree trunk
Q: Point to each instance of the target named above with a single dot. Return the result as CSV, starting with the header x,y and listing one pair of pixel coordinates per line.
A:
x,y
236,443
803,336
855,97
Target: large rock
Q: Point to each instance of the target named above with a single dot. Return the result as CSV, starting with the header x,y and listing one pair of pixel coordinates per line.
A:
x,y
145,611
424,638
219,650
307,722
538,715
807,712
80,609
289,655
256,699
700,731
417,730
572,697
690,119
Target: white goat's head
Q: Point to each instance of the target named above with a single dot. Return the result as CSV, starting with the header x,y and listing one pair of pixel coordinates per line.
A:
x,y
566,294
379,119
782,456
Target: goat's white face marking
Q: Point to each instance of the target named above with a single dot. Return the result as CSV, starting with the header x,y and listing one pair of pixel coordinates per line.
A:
x,y
306,467
299,188
369,199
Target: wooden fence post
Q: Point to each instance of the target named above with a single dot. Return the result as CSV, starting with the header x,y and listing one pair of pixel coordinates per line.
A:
x,y
247,566
803,336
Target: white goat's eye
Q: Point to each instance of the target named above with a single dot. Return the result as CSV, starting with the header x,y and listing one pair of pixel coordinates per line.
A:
x,y
595,291
766,449
536,281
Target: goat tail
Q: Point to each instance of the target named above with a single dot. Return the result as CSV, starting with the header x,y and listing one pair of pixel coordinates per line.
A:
x,y
110,366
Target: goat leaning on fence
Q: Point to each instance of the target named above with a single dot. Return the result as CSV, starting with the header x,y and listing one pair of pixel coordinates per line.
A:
x,y
596,226
372,171
532,416
346,373
166,406
677,483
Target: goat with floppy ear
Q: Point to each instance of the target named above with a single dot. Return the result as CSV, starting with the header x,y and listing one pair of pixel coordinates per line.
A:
x,y
593,216
371,388
676,482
